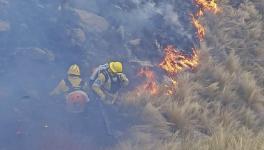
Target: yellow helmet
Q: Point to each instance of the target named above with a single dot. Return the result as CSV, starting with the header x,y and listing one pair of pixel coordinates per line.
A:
x,y
116,67
74,70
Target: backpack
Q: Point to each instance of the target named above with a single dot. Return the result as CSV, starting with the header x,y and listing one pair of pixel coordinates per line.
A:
x,y
72,88
97,71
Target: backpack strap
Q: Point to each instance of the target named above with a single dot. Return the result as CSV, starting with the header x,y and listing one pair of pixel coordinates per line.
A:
x,y
82,84
115,85
106,74
71,87
68,83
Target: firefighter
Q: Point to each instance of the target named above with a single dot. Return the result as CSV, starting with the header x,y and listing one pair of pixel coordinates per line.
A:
x,y
74,89
107,80
71,83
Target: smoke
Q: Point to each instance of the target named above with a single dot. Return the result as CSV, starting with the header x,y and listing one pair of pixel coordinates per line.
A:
x,y
40,38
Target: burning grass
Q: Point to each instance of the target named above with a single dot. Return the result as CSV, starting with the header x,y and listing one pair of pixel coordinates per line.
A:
x,y
199,27
221,105
175,61
150,83
208,5
207,111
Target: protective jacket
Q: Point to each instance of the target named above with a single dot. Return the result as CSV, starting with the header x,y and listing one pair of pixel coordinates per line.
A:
x,y
70,84
104,82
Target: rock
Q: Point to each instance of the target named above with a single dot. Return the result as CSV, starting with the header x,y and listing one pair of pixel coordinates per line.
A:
x,y
4,26
135,42
77,36
35,54
91,21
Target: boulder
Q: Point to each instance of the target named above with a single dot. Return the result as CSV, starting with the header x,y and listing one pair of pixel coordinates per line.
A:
x,y
77,36
91,22
35,54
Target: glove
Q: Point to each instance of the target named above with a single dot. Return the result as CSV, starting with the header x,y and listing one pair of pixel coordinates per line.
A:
x,y
123,79
121,76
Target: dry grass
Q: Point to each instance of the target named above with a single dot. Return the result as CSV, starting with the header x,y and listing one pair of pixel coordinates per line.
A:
x,y
223,139
221,106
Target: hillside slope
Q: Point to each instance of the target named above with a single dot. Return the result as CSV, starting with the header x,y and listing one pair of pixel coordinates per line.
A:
x,y
221,105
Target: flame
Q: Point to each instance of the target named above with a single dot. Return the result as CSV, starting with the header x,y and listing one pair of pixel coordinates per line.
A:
x,y
175,61
200,28
171,87
150,83
203,5
209,5
199,13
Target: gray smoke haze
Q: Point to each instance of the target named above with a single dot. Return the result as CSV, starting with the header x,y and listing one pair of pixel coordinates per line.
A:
x,y
39,39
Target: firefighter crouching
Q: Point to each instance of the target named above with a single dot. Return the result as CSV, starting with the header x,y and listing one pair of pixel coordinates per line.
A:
x,y
107,80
